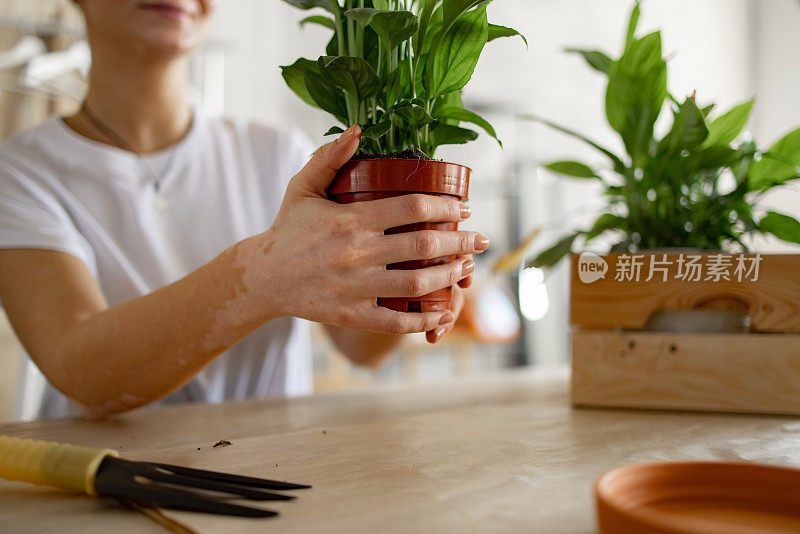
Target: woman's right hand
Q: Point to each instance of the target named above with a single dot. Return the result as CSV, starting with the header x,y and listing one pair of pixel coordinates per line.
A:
x,y
325,261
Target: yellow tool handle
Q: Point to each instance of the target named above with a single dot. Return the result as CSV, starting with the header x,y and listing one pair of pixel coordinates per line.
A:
x,y
51,464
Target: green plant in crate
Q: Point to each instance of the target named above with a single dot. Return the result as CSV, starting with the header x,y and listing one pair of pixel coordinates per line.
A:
x,y
397,68
697,186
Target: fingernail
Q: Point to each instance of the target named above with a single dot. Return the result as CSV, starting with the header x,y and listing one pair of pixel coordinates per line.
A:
x,y
467,267
438,333
445,318
466,211
481,242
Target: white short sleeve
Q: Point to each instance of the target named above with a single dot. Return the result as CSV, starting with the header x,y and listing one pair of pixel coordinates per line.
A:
x,y
31,217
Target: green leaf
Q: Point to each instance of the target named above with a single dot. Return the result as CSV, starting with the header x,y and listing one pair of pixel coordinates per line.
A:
x,y
554,254
449,100
397,85
605,222
322,20
414,115
362,14
781,226
637,88
295,77
445,134
496,32
689,128
326,97
334,130
353,74
423,39
434,31
779,164
708,109
310,4
725,128
458,113
619,166
710,159
571,168
633,21
452,10
376,131
392,27
595,58
454,60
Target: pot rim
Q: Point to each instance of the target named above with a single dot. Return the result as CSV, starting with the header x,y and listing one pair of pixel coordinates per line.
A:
x,y
402,175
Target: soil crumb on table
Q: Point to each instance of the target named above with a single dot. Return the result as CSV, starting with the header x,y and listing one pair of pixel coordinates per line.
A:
x,y
222,443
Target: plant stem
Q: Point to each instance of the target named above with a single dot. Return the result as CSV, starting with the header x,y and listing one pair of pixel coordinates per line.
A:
x,y
411,69
426,130
391,56
360,34
351,35
380,59
337,20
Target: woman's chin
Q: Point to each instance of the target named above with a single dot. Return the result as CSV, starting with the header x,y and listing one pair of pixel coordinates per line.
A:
x,y
170,43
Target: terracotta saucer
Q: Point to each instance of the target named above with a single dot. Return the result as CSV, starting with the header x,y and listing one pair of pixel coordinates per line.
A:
x,y
698,498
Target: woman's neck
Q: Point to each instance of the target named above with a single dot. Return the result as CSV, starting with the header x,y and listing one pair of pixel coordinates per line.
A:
x,y
145,103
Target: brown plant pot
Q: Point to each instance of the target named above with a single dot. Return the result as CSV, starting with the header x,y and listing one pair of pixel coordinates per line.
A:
x,y
373,179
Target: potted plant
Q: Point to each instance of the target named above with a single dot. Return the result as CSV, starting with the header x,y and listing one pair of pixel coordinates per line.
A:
x,y
698,186
397,69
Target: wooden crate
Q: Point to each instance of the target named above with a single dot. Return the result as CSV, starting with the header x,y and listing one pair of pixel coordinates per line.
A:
x,y
615,364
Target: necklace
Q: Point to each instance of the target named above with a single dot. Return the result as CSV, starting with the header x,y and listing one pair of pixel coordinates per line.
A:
x,y
159,201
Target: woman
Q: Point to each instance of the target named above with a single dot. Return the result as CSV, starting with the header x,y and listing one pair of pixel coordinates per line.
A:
x,y
145,253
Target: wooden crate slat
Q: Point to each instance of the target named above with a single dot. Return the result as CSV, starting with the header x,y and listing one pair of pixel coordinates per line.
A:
x,y
773,301
747,373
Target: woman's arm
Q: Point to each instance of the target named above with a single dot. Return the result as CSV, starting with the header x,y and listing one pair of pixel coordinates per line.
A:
x,y
320,261
109,360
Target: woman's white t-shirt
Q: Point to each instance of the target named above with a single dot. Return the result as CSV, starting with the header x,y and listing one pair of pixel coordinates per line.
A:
x,y
223,182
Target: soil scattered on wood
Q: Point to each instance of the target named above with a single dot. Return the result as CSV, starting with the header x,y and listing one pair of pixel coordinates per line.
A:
x,y
222,443
409,153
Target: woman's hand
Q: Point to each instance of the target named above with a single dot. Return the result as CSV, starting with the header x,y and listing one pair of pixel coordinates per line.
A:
x,y
326,262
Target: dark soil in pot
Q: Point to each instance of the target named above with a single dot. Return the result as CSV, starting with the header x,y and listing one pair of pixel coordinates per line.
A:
x,y
375,178
409,153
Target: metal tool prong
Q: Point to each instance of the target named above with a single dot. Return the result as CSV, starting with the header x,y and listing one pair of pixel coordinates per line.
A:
x,y
232,479
149,484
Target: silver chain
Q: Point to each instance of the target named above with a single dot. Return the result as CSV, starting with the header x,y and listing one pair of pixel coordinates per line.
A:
x,y
118,140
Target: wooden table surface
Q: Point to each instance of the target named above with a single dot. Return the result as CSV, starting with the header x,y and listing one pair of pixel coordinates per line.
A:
x,y
499,454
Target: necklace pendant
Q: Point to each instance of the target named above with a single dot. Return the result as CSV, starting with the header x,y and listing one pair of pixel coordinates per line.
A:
x,y
160,202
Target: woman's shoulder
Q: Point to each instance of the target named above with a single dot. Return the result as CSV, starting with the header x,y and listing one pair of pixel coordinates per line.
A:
x,y
27,142
26,157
